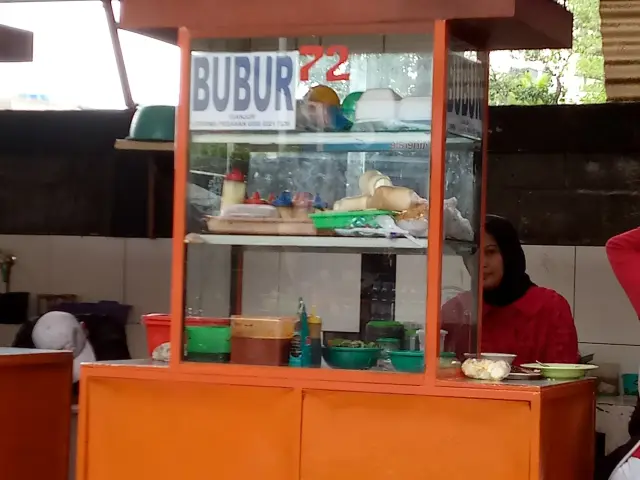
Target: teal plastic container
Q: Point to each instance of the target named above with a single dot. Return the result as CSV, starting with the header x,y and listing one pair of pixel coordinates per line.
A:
x,y
630,383
358,219
407,361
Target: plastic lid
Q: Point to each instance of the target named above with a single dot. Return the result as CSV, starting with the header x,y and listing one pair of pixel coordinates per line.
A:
x,y
255,199
384,323
388,340
235,175
447,355
314,318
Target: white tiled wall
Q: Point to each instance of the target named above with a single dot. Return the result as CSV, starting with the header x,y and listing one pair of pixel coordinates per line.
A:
x,y
137,272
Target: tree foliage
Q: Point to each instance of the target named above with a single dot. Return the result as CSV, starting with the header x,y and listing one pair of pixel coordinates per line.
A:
x,y
584,60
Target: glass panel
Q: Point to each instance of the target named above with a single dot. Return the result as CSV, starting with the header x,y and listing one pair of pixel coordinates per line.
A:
x,y
463,183
277,146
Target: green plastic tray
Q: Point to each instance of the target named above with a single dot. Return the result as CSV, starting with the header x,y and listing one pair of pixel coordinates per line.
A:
x,y
333,220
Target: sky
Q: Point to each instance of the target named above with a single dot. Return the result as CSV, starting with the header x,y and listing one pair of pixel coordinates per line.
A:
x,y
74,63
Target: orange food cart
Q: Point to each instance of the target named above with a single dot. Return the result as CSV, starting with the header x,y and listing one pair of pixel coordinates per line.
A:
x,y
254,100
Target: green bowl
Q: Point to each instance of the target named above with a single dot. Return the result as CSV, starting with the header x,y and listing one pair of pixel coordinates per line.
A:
x,y
210,339
561,371
407,361
154,123
351,358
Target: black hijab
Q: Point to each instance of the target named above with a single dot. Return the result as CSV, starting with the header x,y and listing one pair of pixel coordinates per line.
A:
x,y
515,281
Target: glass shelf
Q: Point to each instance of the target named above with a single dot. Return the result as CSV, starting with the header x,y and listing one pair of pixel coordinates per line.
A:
x,y
398,246
388,141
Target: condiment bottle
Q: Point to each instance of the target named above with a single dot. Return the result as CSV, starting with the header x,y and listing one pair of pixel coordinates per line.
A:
x,y
300,355
234,189
315,334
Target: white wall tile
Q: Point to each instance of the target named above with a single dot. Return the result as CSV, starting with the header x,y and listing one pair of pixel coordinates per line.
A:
x,y
552,267
137,341
91,267
602,311
7,334
147,276
32,271
331,282
137,272
208,279
628,357
260,273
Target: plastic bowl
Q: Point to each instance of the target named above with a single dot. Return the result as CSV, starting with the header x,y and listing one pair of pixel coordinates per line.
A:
x,y
506,357
153,123
561,371
351,358
407,361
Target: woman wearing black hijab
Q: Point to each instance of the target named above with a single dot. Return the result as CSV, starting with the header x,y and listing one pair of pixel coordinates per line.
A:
x,y
518,317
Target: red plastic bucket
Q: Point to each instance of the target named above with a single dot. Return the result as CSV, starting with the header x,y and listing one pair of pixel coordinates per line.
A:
x,y
158,327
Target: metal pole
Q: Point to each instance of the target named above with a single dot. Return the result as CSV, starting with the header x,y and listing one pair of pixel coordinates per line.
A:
x,y
117,52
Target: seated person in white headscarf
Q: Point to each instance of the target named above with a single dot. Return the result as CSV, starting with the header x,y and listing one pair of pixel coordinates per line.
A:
x,y
58,331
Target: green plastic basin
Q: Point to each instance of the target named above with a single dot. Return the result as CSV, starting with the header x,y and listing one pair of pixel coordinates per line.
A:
x,y
351,358
407,361
153,123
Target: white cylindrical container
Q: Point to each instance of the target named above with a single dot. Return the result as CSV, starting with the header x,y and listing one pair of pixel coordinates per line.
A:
x,y
234,189
421,337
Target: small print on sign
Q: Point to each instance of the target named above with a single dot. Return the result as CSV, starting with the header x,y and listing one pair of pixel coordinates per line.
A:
x,y
243,91
465,105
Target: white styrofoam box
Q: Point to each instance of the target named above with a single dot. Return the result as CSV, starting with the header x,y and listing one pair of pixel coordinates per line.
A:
x,y
147,276
90,267
627,356
553,267
331,282
260,273
602,310
411,284
32,271
208,279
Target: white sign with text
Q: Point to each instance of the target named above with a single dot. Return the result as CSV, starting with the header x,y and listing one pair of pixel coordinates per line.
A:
x,y
244,91
466,90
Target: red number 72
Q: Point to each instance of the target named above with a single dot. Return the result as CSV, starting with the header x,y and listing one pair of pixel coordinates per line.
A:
x,y
317,52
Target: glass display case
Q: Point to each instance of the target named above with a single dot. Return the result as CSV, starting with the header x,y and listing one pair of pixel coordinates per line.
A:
x,y
309,196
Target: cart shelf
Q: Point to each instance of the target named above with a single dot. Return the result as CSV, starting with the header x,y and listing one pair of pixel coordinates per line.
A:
x,y
333,141
400,246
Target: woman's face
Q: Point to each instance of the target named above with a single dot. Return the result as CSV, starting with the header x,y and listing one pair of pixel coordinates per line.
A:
x,y
493,269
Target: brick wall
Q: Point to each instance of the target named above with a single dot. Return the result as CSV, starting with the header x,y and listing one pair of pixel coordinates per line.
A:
x,y
566,175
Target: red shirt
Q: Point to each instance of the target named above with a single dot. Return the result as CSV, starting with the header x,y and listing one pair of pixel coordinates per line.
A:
x,y
536,327
624,256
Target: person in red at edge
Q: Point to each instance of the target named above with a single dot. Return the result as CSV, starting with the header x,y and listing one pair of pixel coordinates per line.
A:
x,y
623,252
518,317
